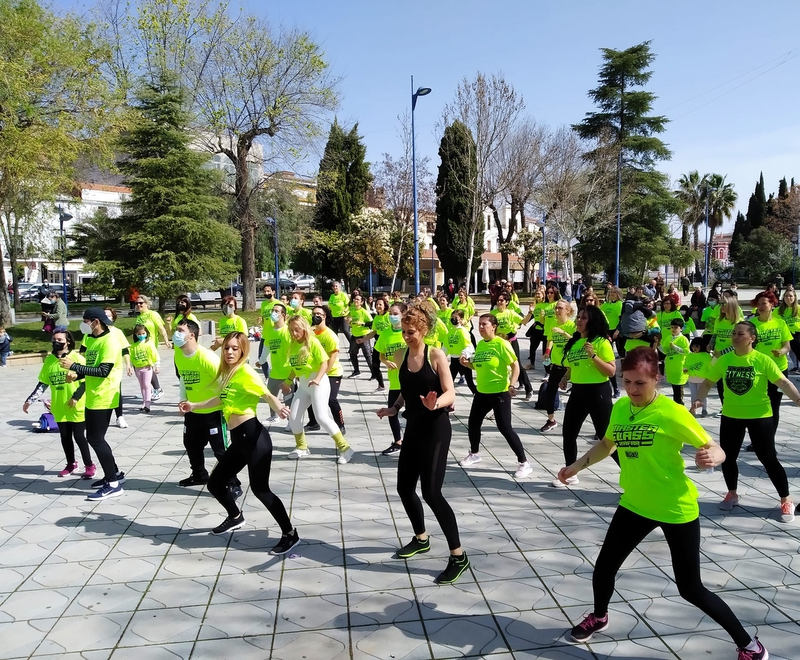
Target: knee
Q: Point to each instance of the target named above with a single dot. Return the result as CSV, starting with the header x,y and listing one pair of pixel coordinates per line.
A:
x,y
692,592
216,484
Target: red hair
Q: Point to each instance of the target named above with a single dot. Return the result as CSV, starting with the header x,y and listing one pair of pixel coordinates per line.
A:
x,y
642,358
769,295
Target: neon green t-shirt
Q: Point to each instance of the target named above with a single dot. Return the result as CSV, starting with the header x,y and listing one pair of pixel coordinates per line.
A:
x,y
242,392
560,340
299,311
583,369
266,310
689,328
664,319
652,469
381,324
507,322
198,375
709,317
549,318
305,363
438,337
791,320
492,361
613,312
179,318
278,340
330,344
152,321
772,335
359,318
745,380
674,360
697,365
723,334
387,345
339,304
457,340
55,376
444,315
630,344
103,393
232,323
468,307
144,354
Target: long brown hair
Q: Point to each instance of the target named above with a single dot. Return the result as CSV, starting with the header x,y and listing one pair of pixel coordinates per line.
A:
x,y
226,371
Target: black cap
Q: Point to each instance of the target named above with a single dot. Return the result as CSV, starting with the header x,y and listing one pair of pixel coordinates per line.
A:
x,y
97,314
677,322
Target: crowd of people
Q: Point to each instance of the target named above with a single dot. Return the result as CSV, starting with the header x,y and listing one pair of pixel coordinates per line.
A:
x,y
588,349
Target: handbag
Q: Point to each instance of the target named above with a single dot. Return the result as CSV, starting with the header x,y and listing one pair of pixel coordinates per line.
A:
x,y
47,423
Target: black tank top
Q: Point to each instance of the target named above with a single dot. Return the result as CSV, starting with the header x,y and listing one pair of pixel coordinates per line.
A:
x,y
413,385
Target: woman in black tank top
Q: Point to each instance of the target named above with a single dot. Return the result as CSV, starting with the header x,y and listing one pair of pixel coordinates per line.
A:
x,y
426,389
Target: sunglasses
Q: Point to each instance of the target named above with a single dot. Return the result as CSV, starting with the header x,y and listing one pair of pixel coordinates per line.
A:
x,y
138,304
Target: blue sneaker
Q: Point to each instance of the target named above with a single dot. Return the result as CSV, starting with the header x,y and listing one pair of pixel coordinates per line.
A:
x,y
104,492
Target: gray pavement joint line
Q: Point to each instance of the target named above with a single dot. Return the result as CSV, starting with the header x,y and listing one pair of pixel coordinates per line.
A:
x,y
344,562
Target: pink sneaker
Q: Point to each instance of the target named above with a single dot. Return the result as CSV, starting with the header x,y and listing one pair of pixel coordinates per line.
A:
x,y
68,469
89,471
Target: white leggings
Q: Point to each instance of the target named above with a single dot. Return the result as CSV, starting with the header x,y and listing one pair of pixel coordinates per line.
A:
x,y
316,396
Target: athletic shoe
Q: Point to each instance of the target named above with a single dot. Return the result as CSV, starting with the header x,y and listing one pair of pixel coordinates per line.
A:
x,y
296,454
523,470
414,547
355,374
549,424
760,653
311,427
68,469
456,565
787,512
750,447
121,423
193,481
615,395
393,448
229,524
157,394
236,491
343,430
272,418
104,492
470,460
584,631
528,396
101,482
287,542
379,389
730,501
571,481
530,367
146,409
346,456
89,471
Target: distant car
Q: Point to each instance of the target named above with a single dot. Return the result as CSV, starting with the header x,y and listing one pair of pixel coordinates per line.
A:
x,y
305,282
233,289
286,284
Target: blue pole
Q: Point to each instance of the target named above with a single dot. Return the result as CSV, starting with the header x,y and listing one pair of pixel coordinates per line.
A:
x,y
369,279
277,263
64,295
544,249
414,189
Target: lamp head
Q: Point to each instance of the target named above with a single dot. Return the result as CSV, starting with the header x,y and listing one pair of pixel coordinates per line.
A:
x,y
422,91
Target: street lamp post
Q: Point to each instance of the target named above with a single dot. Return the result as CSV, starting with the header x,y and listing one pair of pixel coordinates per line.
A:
x,y
62,218
421,91
433,268
619,213
274,224
543,265
705,281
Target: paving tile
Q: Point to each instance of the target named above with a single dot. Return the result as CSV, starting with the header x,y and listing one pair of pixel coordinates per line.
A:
x,y
163,626
80,633
248,619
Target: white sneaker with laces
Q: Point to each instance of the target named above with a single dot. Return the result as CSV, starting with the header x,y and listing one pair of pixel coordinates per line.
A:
x,y
296,454
523,470
346,456
121,423
571,481
787,512
470,460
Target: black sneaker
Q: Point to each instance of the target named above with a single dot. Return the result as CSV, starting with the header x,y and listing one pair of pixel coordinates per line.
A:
x,y
391,449
102,482
311,427
193,481
287,542
355,374
589,626
549,424
456,565
229,524
415,547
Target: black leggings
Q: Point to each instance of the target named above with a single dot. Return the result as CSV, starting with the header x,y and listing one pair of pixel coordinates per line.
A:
x,y
457,368
156,384
585,400
523,375
551,390
677,394
394,421
376,367
339,324
77,430
423,458
366,350
775,395
626,531
537,335
333,403
500,403
118,410
795,346
250,446
762,435
97,422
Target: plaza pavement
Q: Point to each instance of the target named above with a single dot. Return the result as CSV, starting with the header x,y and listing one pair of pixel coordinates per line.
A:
x,y
141,577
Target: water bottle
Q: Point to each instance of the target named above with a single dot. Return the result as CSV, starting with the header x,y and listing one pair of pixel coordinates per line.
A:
x,y
547,361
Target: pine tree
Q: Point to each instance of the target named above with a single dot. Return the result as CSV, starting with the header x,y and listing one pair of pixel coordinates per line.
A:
x,y
783,189
757,206
741,230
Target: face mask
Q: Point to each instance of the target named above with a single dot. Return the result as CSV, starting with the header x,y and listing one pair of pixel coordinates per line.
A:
x,y
316,319
228,311
295,303
86,328
182,306
712,303
454,320
58,346
141,337
274,316
268,296
394,320
179,338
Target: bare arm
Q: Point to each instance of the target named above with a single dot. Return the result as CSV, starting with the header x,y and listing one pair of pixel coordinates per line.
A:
x,y
788,388
596,454
706,386
709,455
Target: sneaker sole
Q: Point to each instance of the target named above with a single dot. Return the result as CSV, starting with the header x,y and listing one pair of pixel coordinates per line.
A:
x,y
421,551
105,497
522,476
586,639
283,552
450,581
230,529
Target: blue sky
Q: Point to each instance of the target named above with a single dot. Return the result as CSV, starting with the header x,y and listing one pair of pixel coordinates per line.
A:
x,y
725,74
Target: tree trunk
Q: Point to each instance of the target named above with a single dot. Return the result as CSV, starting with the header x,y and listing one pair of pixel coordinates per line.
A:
x,y
244,221
12,259
399,258
249,268
5,309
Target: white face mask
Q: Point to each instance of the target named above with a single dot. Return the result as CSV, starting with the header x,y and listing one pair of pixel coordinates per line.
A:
x,y
228,311
86,329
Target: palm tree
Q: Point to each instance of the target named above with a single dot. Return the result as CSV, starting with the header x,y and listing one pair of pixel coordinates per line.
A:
x,y
690,192
721,201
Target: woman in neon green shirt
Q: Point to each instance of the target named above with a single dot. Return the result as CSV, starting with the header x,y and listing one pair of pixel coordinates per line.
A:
x,y
728,316
561,333
380,325
648,431
789,311
241,389
387,345
310,363
745,374
230,322
155,326
330,344
360,321
590,362
67,403
536,331
508,322
458,340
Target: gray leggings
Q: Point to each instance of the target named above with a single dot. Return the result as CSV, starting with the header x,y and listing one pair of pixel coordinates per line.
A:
x,y
274,386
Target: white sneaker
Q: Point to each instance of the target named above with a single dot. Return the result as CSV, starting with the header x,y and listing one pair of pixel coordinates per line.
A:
x,y
346,456
272,419
121,423
787,512
157,394
523,470
296,454
729,502
470,460
378,390
572,481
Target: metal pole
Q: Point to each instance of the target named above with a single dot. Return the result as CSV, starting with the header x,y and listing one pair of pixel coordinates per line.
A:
x,y
705,282
544,249
277,262
369,279
433,269
414,189
619,212
64,294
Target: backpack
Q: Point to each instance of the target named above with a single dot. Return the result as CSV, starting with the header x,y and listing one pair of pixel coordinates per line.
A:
x,y
634,317
541,404
47,423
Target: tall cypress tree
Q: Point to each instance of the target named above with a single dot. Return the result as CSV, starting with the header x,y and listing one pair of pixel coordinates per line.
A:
x,y
757,206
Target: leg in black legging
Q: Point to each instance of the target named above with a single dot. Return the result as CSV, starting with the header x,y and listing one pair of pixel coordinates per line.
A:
x,y
118,410
354,347
230,465
762,435
600,407
409,469
502,415
394,422
775,395
481,405
65,431
376,367
523,375
434,457
677,394
79,434
721,391
536,338
258,467
575,414
333,401
795,346
684,547
366,350
551,390
457,368
731,437
97,422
